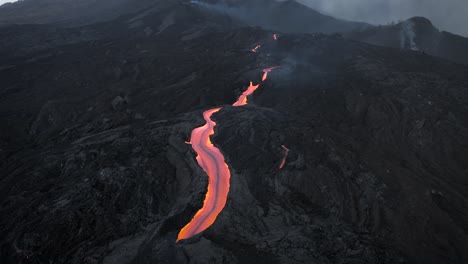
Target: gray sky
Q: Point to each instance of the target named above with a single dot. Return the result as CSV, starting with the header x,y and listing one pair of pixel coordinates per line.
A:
x,y
449,15
6,1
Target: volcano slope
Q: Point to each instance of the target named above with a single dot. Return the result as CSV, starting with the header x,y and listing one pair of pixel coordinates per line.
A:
x,y
94,168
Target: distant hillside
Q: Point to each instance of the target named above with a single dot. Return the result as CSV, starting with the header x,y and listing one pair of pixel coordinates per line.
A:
x,y
67,12
288,16
417,34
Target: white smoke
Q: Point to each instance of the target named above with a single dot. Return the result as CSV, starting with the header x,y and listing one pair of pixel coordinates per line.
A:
x,y
407,35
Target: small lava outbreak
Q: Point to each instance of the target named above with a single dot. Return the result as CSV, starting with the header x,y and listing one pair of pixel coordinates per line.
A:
x,y
266,71
283,161
256,48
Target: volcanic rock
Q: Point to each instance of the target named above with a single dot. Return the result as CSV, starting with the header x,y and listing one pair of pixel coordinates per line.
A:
x,y
377,139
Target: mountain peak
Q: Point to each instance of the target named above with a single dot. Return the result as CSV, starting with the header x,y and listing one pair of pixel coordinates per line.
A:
x,y
420,20
421,24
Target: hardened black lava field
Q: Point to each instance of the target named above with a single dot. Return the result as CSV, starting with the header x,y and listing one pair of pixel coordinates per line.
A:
x,y
96,117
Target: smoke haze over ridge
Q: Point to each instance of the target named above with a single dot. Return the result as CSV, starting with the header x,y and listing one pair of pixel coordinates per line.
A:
x,y
6,1
448,15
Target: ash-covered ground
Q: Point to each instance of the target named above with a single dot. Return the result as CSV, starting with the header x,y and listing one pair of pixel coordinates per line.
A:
x,y
95,169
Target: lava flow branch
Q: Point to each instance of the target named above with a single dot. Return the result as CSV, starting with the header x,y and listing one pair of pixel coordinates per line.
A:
x,y
283,161
211,160
266,71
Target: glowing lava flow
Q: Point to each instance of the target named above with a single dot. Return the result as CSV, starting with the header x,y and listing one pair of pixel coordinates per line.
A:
x,y
283,162
212,162
243,98
256,48
252,88
266,71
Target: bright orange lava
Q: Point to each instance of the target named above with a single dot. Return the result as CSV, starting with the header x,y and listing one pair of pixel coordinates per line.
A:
x,y
212,162
243,98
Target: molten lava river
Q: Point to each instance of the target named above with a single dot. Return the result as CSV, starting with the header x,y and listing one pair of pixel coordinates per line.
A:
x,y
211,160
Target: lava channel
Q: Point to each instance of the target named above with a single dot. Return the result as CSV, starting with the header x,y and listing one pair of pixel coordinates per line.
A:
x,y
243,98
252,88
211,160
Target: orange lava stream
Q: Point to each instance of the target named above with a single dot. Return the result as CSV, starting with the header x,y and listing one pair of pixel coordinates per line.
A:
x,y
243,98
283,162
211,160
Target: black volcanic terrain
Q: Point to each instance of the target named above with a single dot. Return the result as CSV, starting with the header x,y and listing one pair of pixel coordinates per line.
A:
x,y
94,165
